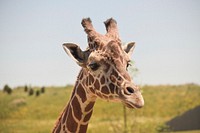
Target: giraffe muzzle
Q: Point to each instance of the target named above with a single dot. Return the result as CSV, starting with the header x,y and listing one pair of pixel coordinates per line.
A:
x,y
134,102
132,97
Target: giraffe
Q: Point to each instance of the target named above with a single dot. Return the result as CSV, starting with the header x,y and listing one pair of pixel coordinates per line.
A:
x,y
103,75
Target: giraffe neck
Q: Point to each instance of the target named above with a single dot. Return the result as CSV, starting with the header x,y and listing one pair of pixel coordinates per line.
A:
x,y
76,115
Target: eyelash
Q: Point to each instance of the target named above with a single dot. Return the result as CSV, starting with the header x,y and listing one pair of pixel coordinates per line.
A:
x,y
94,66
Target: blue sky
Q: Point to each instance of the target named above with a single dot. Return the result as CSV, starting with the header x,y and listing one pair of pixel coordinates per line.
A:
x,y
167,36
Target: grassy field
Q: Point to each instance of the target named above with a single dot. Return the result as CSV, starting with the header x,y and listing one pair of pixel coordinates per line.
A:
x,y
20,113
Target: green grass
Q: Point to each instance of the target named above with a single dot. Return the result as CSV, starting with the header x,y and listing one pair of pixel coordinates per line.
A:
x,y
20,113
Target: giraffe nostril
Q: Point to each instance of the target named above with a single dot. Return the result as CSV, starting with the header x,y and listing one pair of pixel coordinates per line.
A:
x,y
129,90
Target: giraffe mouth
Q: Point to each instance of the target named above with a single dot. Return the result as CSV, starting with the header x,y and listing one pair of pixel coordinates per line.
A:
x,y
131,105
132,102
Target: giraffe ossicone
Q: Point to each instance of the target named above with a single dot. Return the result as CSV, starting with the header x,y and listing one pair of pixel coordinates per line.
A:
x,y
103,75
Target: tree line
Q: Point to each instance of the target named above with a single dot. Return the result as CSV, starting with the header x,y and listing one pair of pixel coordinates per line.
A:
x,y
7,89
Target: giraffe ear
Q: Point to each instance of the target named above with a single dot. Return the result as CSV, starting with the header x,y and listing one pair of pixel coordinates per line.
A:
x,y
76,53
128,48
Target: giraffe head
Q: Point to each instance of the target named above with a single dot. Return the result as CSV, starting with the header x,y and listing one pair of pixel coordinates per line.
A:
x,y
105,64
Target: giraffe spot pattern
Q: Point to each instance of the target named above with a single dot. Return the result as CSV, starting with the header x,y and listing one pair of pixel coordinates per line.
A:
x,y
92,90
81,93
102,80
87,117
71,123
105,90
107,67
63,127
112,88
76,108
59,128
65,114
83,128
97,85
87,81
89,106
105,96
91,79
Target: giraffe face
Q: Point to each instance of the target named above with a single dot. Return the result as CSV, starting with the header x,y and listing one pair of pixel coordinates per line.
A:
x,y
107,76
108,67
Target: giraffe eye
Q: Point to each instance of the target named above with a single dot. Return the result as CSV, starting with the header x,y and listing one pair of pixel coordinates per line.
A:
x,y
128,64
94,66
